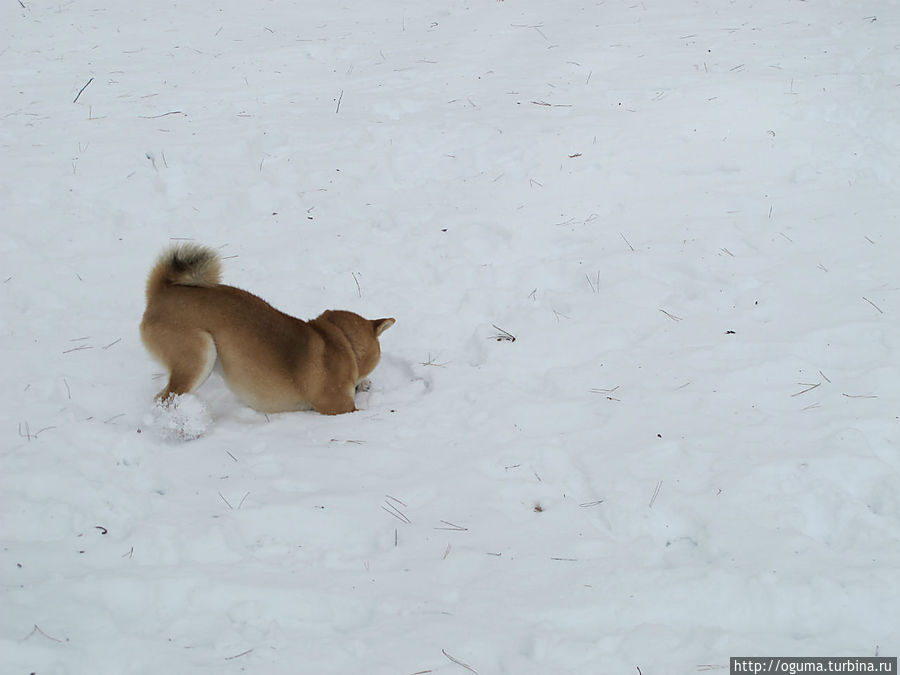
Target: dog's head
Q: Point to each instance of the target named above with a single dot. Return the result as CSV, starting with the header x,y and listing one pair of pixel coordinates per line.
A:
x,y
363,336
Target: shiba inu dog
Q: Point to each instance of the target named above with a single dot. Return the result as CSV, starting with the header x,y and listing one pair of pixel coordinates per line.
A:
x,y
273,362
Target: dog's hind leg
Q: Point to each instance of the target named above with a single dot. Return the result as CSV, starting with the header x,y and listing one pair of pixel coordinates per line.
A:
x,y
190,359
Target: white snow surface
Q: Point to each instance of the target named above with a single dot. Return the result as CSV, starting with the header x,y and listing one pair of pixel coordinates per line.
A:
x,y
685,213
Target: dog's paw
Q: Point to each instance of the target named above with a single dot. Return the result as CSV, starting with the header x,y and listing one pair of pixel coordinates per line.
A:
x,y
179,418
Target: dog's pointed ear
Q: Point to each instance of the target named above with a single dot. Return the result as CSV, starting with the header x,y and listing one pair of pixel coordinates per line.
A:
x,y
381,325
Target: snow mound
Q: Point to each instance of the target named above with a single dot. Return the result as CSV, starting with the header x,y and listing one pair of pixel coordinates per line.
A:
x,y
181,418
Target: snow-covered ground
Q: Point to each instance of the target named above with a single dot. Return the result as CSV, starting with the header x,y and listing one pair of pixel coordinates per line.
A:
x,y
685,213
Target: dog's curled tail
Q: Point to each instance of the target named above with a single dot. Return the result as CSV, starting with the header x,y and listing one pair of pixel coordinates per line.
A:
x,y
185,265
